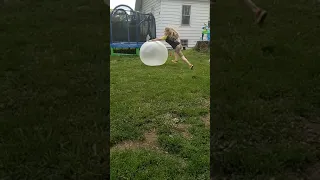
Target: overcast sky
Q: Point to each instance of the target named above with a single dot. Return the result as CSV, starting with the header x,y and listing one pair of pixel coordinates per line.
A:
x,y
114,3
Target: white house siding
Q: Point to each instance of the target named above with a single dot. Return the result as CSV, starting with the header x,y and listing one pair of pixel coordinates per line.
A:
x,y
171,15
152,6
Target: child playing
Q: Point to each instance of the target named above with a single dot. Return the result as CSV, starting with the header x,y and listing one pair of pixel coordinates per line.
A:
x,y
204,31
208,34
171,36
260,13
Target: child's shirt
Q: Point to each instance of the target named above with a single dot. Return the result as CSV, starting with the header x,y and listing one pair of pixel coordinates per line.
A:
x,y
204,30
170,40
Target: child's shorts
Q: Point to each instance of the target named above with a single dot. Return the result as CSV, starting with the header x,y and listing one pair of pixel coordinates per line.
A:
x,y
178,50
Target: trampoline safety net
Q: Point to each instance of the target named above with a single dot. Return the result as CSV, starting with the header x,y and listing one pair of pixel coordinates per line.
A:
x,y
128,25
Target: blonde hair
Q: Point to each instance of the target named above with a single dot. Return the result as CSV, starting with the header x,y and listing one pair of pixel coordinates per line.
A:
x,y
171,32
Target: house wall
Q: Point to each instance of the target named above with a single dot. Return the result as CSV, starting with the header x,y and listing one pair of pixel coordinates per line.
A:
x,y
171,15
152,6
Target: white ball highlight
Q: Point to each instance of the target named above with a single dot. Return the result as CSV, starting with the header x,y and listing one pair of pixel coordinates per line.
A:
x,y
153,53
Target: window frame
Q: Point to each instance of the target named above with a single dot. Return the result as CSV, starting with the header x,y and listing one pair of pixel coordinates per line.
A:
x,y
182,15
186,41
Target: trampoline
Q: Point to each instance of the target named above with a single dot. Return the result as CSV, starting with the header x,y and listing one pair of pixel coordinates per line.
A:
x,y
129,29
127,44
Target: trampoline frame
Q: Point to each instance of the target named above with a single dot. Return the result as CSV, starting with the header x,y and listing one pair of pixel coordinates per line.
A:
x,y
129,44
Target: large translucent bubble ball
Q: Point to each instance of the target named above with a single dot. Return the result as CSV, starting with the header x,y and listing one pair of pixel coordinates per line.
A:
x,y
153,53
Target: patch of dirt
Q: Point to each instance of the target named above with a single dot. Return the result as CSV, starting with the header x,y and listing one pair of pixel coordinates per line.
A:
x,y
151,137
175,114
150,142
174,120
314,172
183,128
206,120
206,103
314,126
312,132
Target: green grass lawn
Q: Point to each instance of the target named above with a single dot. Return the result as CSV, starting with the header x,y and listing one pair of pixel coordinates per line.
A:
x,y
53,90
54,97
266,91
160,119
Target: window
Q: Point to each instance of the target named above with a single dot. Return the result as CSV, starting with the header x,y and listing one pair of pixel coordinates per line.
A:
x,y
186,14
184,42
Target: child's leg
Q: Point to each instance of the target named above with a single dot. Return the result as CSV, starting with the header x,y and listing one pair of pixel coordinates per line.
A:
x,y
176,56
260,13
186,60
179,52
252,6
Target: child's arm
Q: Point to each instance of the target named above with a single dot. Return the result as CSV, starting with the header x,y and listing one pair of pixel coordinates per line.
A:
x,y
159,39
